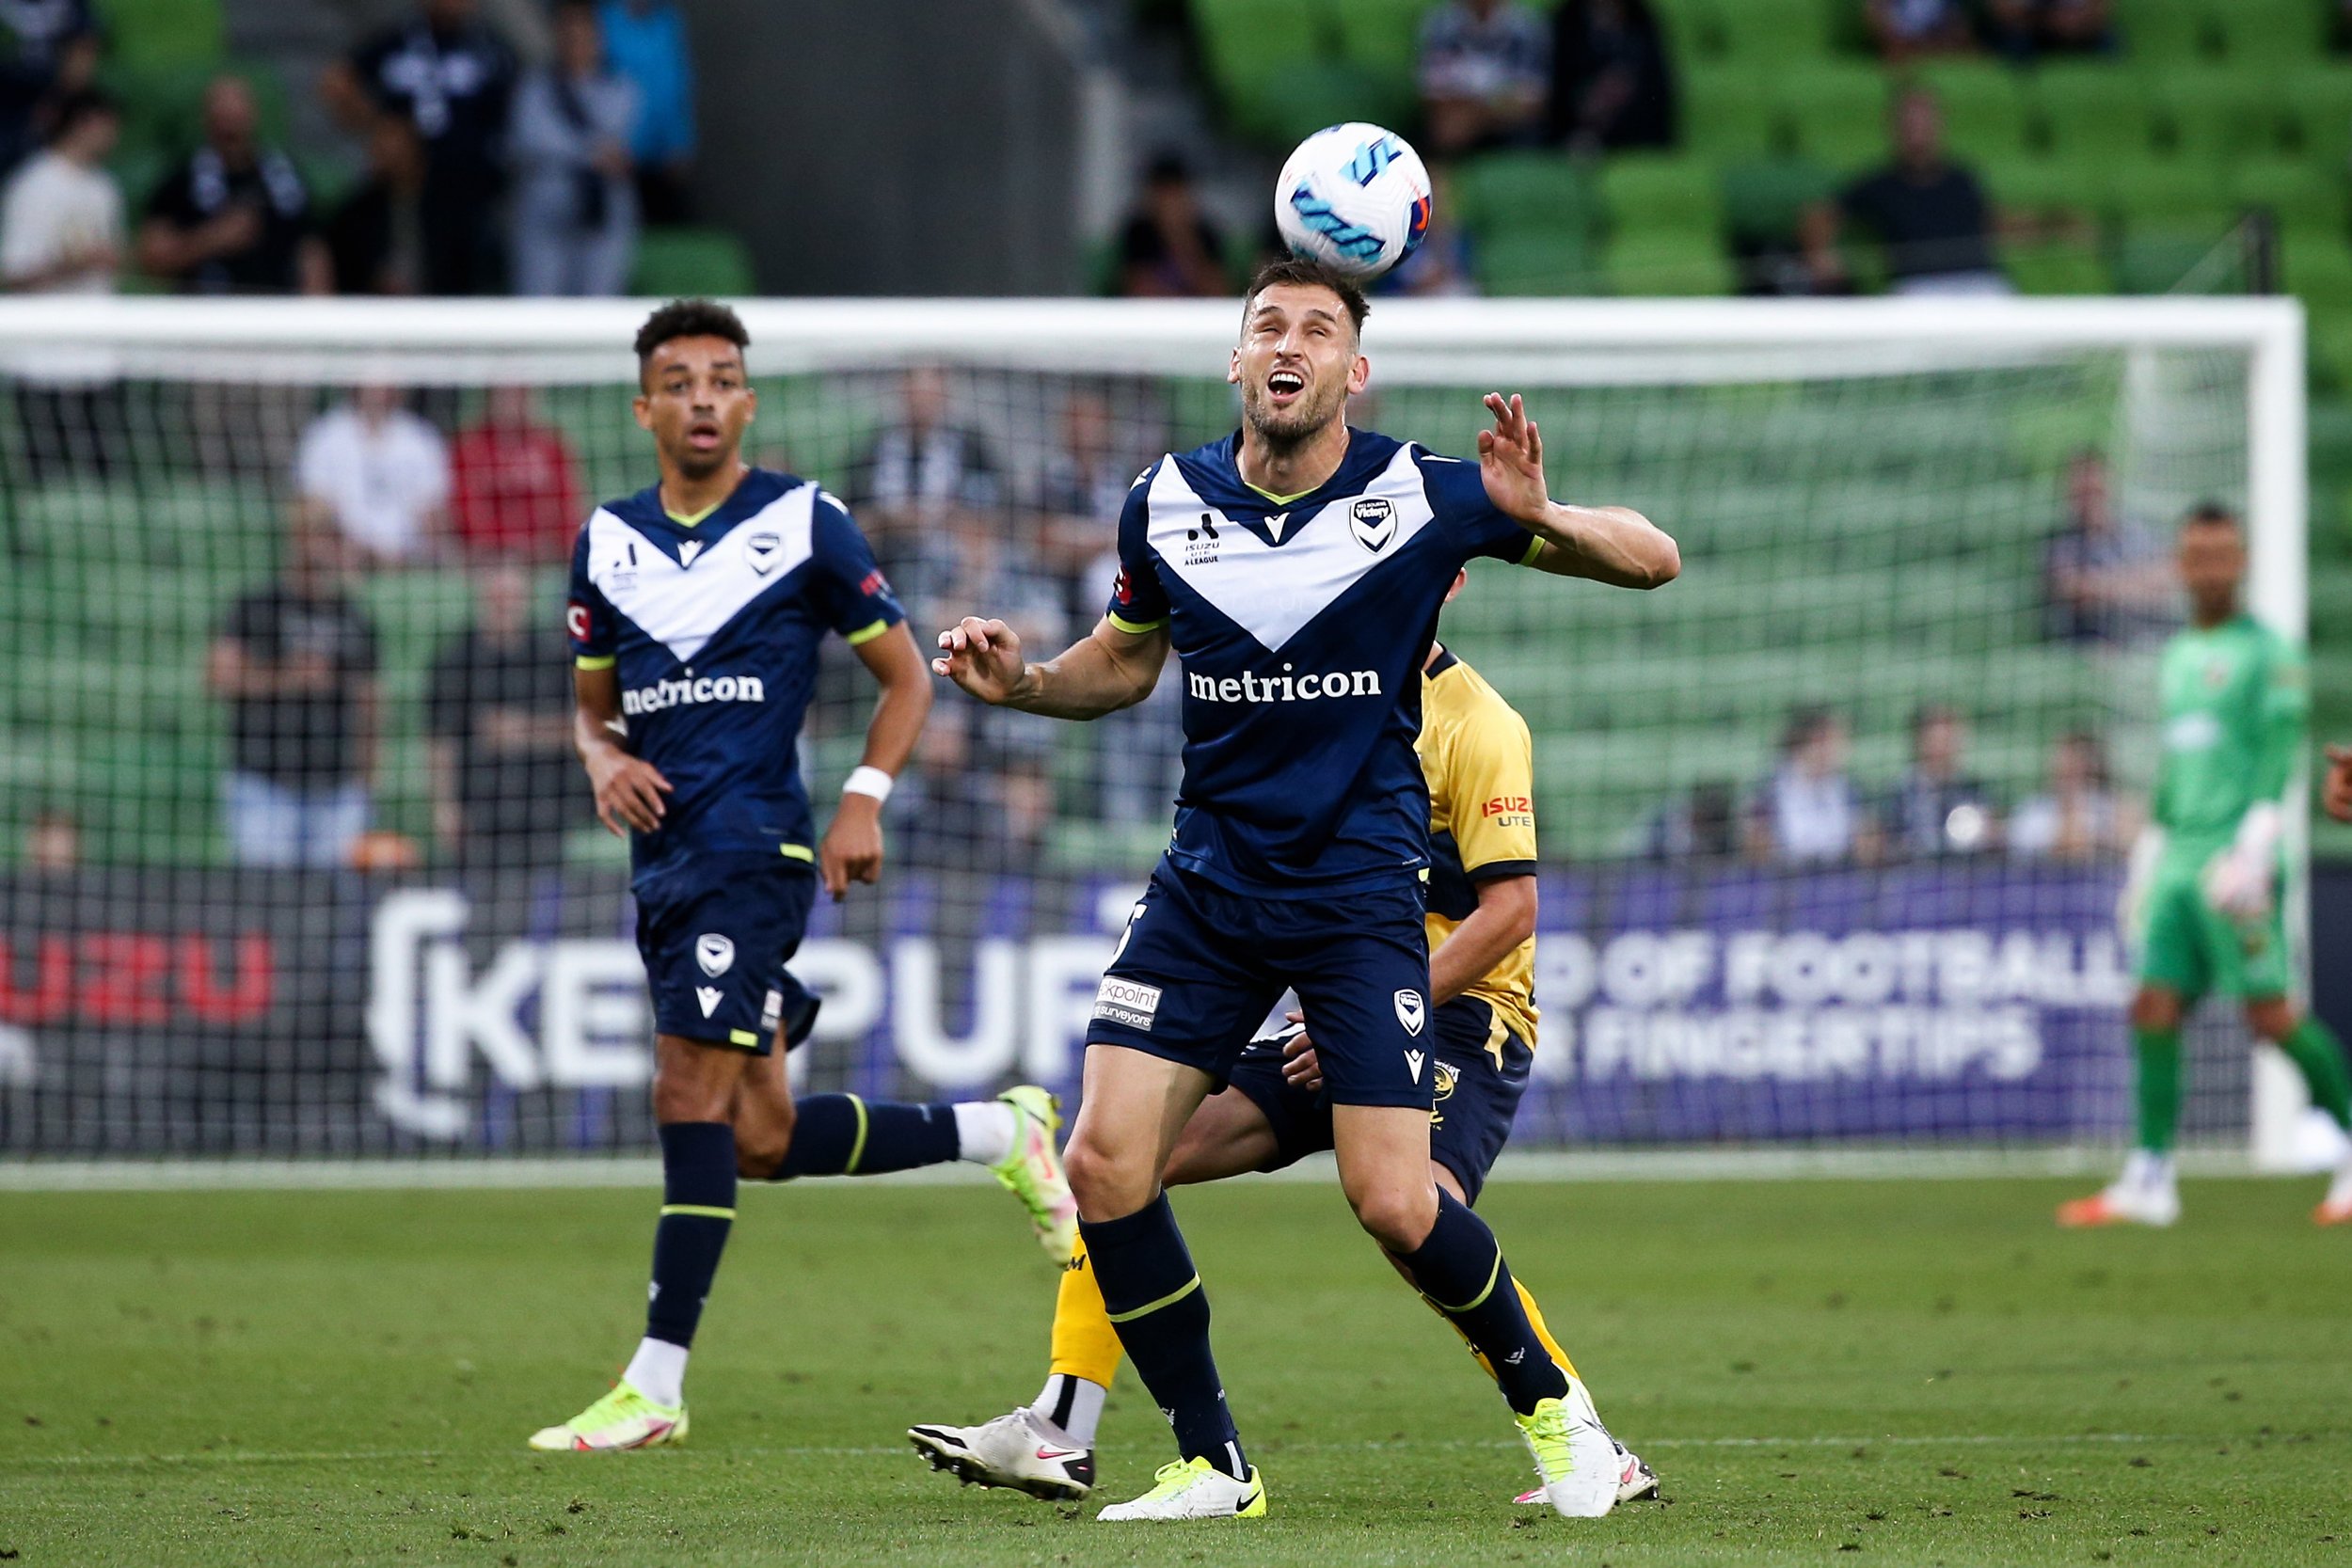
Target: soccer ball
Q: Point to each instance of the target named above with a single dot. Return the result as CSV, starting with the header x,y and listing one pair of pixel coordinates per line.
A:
x,y
1353,195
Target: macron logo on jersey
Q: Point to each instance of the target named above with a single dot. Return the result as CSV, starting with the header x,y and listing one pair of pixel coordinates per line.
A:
x,y
705,688
1285,687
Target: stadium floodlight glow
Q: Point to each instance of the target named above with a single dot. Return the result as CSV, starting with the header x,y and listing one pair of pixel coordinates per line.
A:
x,y
1864,488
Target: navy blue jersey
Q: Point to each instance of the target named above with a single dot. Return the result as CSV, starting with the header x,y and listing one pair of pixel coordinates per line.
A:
x,y
713,626
1301,626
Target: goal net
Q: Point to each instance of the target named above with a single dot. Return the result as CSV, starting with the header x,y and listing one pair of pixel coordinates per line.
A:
x,y
296,862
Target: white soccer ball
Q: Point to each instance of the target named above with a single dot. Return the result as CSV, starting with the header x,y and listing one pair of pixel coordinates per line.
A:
x,y
1355,196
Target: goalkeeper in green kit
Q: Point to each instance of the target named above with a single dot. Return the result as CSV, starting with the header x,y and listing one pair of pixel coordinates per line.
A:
x,y
2202,903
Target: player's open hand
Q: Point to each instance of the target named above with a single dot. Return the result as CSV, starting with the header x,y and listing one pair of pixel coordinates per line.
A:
x,y
1511,460
1300,1068
853,850
982,657
2336,795
628,791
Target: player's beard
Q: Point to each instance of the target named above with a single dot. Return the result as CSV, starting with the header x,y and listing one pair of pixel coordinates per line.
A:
x,y
1287,430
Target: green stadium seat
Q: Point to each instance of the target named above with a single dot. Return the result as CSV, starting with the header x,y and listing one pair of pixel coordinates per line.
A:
x,y
2174,254
2273,32
2057,269
2303,194
148,33
673,261
1988,111
2218,115
2317,269
2044,186
2097,111
1772,32
1839,109
1312,94
1669,262
1660,191
1382,35
2172,32
2164,189
1731,113
1764,200
1535,262
1248,47
2317,103
1695,33
1518,192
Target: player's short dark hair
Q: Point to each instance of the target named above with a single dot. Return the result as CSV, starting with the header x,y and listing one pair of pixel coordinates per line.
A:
x,y
1308,272
687,318
2212,515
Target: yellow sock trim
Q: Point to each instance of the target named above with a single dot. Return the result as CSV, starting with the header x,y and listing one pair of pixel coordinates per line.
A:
x,y
857,1145
699,1210
1475,1302
1543,1332
1085,1343
1168,1300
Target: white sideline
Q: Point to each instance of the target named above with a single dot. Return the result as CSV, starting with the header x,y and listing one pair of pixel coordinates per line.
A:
x,y
136,1176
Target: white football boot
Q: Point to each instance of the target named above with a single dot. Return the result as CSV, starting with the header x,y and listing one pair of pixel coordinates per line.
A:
x,y
2146,1194
1011,1450
1191,1489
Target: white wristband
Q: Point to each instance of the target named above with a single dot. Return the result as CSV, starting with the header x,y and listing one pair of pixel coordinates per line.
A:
x,y
868,781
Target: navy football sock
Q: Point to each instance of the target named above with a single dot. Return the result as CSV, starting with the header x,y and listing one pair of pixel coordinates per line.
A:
x,y
697,1210
1162,1315
1461,1263
839,1134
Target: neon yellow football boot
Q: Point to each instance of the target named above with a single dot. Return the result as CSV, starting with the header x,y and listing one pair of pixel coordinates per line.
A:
x,y
624,1419
1033,1171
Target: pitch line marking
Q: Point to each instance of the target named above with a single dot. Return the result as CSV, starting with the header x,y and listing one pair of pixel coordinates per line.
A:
x,y
861,1451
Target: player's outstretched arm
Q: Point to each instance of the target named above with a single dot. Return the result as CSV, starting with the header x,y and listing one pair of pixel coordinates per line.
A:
x,y
853,849
1102,672
628,789
1614,545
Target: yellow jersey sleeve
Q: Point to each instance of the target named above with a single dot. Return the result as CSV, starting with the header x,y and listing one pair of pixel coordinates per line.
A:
x,y
1489,784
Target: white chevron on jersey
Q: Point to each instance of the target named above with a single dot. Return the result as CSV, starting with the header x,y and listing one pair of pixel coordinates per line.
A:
x,y
1270,592
684,606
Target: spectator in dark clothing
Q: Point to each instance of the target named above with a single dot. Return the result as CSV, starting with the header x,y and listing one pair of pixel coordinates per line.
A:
x,y
506,786
1612,84
451,78
235,218
1937,810
1702,825
1930,214
575,202
2106,578
925,491
376,240
297,664
1168,247
1907,30
515,482
1485,68
1810,812
644,41
32,85
2021,29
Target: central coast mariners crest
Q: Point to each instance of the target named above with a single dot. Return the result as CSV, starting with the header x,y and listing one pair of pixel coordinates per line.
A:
x,y
1444,1075
1373,521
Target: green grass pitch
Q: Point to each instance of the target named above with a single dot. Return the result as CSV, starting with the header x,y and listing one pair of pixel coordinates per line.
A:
x,y
1823,1373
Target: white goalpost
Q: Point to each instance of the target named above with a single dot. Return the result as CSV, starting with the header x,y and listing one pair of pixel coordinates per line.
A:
x,y
1754,942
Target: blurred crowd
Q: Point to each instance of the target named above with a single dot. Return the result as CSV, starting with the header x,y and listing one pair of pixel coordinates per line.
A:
x,y
481,176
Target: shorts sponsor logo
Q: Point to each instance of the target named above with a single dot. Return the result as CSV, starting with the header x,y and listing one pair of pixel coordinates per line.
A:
x,y
715,953
1250,687
693,689
770,1011
1127,1002
709,997
1410,1011
1373,521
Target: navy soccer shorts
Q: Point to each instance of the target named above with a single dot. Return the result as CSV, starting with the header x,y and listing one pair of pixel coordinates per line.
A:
x,y
1200,966
1476,1096
715,934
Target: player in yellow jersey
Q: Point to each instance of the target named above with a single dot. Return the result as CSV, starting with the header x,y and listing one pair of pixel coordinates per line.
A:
x,y
1476,755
